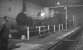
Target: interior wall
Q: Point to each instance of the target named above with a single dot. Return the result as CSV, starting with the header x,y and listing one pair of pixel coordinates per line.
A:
x,y
10,8
32,9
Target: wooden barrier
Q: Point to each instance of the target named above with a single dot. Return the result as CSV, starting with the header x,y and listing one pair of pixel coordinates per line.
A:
x,y
45,28
28,36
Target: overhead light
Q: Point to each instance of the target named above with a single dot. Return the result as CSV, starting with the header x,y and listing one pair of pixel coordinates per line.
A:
x,y
42,14
58,3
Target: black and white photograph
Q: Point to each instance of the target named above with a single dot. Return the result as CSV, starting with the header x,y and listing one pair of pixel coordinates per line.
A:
x,y
41,24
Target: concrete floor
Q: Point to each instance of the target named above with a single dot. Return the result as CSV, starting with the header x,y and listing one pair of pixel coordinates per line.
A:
x,y
40,43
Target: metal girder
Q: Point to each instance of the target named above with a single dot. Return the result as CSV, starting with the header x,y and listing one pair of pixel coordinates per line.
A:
x,y
66,6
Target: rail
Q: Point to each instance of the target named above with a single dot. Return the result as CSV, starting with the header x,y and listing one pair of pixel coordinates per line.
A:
x,y
62,38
